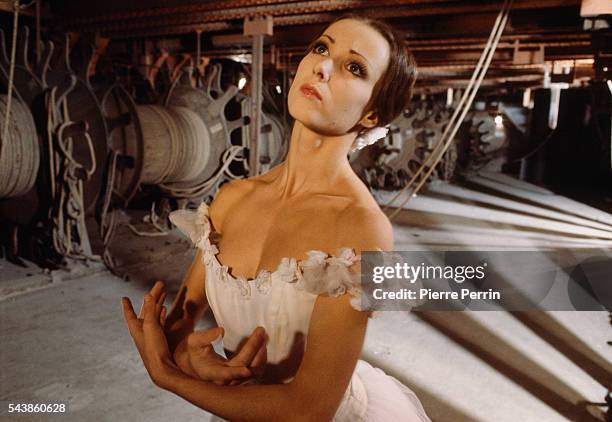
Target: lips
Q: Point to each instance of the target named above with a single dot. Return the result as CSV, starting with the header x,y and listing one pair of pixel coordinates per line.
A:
x,y
310,90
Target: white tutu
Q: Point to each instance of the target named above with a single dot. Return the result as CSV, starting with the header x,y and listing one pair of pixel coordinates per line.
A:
x,y
374,396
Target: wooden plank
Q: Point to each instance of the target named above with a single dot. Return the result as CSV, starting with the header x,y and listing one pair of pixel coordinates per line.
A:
x,y
7,6
557,202
433,205
449,189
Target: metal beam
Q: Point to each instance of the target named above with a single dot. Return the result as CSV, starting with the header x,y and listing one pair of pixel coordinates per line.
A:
x,y
173,19
257,28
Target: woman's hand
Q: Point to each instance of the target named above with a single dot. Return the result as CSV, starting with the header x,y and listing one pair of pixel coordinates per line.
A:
x,y
148,334
195,355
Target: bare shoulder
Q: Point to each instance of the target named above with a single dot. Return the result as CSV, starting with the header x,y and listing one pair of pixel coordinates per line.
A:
x,y
228,195
234,191
367,228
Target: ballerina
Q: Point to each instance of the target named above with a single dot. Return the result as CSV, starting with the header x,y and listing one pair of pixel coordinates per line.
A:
x,y
278,259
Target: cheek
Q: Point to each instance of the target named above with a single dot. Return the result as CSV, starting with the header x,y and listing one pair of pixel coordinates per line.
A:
x,y
351,97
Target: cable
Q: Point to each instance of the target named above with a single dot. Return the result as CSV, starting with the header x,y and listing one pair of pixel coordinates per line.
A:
x,y
465,95
534,150
455,121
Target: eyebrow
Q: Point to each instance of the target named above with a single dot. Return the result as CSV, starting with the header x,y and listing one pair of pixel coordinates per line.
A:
x,y
351,50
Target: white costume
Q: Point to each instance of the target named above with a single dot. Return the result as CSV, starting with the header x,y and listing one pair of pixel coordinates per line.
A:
x,y
282,302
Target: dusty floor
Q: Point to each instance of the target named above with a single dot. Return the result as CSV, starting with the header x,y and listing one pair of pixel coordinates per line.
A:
x,y
68,343
64,340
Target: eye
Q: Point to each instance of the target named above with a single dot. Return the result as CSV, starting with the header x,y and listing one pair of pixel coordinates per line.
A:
x,y
316,48
356,67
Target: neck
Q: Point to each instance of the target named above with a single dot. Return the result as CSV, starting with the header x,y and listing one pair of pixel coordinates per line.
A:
x,y
315,163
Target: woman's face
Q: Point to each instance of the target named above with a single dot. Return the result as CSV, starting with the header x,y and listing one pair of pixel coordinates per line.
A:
x,y
343,65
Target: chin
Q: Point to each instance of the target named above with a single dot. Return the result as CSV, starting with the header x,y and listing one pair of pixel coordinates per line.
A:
x,y
302,110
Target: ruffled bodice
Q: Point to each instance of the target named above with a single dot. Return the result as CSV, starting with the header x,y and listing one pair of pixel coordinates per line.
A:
x,y
281,300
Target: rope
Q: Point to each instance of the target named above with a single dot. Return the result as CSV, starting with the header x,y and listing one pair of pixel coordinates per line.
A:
x,y
153,219
16,9
110,183
68,215
28,153
21,158
462,108
107,224
193,151
200,189
173,132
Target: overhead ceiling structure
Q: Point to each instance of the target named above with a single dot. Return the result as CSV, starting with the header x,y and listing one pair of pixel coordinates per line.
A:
x,y
447,37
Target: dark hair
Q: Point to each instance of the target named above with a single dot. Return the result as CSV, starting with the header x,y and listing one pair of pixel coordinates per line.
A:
x,y
392,92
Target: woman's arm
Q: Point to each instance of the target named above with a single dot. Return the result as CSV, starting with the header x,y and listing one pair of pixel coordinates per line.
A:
x,y
189,305
335,340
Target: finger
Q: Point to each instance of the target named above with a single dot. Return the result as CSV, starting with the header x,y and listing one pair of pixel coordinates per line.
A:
x,y
149,309
230,373
162,317
132,323
152,313
246,354
199,339
128,310
157,290
142,308
162,298
159,306
130,317
155,342
260,358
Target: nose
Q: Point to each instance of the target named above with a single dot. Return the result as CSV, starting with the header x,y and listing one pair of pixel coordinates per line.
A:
x,y
323,69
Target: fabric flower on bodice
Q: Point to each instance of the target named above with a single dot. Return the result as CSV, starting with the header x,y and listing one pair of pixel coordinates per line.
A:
x,y
209,254
338,272
223,273
345,256
203,224
243,285
193,223
323,273
263,282
357,302
287,270
312,273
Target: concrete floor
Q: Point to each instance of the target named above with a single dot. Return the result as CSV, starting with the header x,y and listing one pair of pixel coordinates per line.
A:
x,y
68,343
64,340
